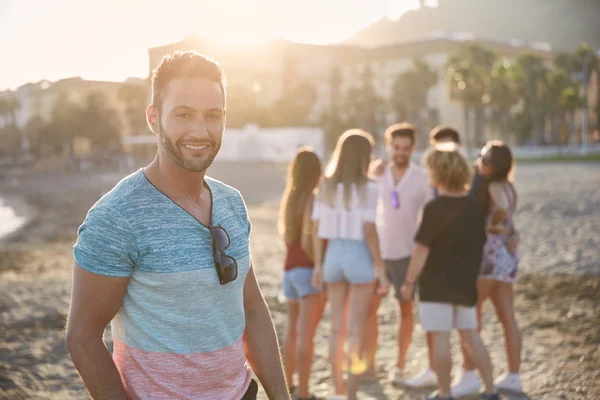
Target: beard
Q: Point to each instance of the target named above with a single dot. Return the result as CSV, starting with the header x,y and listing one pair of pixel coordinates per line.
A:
x,y
192,164
401,161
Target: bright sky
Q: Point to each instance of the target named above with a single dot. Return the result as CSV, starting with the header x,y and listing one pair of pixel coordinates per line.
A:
x,y
108,39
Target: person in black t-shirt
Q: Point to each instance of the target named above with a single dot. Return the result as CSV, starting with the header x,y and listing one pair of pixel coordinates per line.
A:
x,y
447,255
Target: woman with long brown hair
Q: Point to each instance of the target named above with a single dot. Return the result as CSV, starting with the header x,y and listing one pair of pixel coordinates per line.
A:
x,y
344,214
305,303
500,263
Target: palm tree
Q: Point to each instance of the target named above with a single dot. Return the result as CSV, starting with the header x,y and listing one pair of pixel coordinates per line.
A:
x,y
8,109
532,76
135,99
502,97
567,62
556,82
8,113
409,92
66,123
571,102
295,105
13,106
103,125
363,107
458,73
587,62
331,120
34,130
3,111
468,77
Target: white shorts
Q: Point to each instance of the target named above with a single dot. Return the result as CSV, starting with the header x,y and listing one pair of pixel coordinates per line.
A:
x,y
445,317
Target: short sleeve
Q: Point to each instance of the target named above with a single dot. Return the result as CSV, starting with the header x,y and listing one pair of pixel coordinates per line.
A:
x,y
372,198
427,228
242,210
429,194
105,244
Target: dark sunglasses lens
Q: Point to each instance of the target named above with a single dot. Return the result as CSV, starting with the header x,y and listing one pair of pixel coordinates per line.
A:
x,y
229,268
221,238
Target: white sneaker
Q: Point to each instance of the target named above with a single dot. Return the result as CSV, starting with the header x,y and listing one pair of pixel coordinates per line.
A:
x,y
510,382
395,376
465,383
425,378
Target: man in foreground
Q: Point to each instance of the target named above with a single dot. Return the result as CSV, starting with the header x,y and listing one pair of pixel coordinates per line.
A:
x,y
165,256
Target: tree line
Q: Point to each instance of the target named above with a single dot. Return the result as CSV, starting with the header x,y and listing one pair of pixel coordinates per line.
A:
x,y
91,117
523,100
526,99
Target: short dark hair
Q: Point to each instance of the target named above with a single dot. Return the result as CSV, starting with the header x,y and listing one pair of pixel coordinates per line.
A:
x,y
444,132
403,129
188,64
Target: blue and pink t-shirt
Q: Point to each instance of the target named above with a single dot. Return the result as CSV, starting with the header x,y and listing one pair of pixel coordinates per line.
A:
x,y
179,332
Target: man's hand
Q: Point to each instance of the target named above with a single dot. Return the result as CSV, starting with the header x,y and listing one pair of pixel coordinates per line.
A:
x,y
384,285
407,290
378,167
95,300
262,347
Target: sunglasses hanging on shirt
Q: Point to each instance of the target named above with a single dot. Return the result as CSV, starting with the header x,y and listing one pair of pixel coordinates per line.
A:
x,y
395,199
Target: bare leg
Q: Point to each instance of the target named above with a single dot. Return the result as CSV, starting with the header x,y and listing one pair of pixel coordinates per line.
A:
x,y
336,293
372,335
430,350
503,300
485,287
479,353
359,303
289,341
311,310
442,360
405,330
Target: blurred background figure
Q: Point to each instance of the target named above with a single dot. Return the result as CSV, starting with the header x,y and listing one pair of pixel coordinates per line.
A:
x,y
305,303
344,214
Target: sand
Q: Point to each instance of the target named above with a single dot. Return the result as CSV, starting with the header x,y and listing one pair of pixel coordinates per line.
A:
x,y
558,294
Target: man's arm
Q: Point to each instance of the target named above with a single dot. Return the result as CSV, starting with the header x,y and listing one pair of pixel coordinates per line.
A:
x,y
372,239
377,168
417,263
262,347
95,300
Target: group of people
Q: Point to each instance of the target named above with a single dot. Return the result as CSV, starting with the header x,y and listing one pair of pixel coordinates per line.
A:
x,y
364,226
165,258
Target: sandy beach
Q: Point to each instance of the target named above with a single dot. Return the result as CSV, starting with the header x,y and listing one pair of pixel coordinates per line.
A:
x,y
558,293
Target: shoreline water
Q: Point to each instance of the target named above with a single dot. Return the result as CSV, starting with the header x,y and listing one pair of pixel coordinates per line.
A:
x,y
15,214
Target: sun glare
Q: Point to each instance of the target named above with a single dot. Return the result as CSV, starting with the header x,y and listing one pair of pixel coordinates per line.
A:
x,y
78,38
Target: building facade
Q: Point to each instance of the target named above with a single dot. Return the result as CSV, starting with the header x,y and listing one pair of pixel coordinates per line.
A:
x,y
272,68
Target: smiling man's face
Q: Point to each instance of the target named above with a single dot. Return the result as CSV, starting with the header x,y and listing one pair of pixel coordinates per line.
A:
x,y
190,122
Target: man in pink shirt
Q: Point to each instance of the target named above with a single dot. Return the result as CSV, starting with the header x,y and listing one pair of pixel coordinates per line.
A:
x,y
404,190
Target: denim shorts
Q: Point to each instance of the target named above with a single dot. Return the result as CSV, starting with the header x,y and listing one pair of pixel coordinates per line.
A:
x,y
297,283
348,261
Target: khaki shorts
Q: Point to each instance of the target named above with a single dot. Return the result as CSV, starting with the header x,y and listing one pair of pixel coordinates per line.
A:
x,y
445,317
